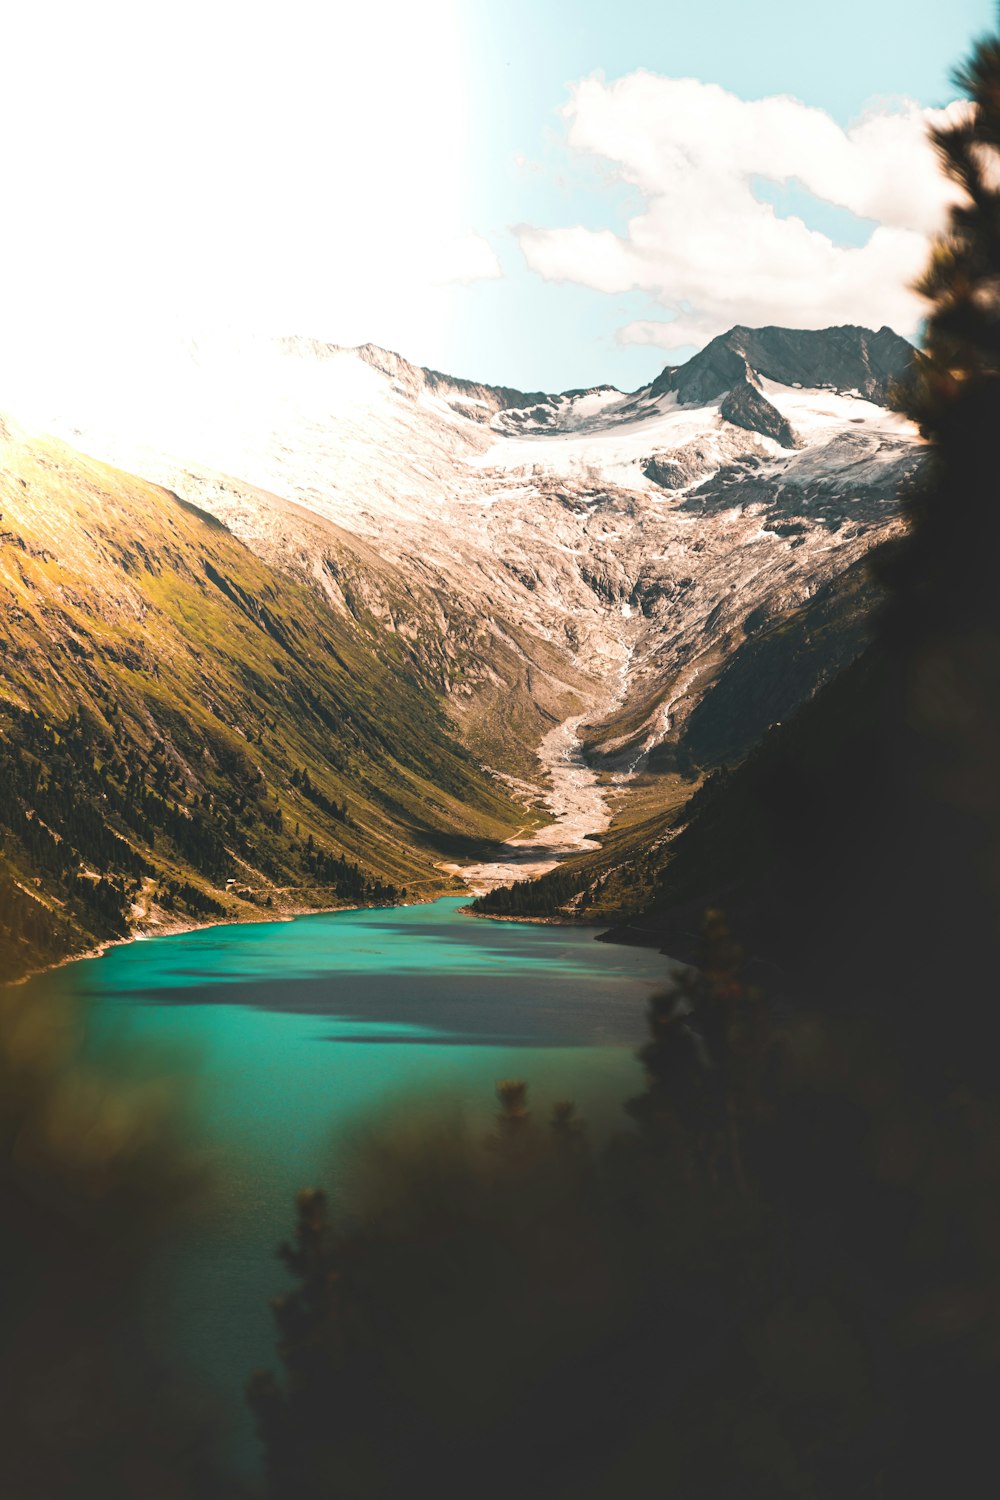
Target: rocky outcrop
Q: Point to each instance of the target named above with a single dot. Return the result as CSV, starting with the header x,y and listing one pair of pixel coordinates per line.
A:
x,y
716,369
850,359
746,407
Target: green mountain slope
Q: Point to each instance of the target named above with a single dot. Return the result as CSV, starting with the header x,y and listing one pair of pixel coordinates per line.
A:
x,y
186,733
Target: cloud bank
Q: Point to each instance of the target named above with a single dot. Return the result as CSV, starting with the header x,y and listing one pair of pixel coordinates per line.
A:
x,y
707,248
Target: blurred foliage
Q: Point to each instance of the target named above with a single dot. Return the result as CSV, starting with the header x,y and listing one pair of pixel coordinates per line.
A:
x,y
784,1282
94,1173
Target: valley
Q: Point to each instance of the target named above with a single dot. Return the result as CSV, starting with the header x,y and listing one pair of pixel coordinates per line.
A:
x,y
528,550
450,634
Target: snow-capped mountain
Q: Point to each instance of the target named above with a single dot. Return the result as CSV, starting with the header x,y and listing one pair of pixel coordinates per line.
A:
x,y
594,555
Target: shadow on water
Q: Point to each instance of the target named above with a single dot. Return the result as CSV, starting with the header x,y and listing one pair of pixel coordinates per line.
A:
x,y
425,973
273,1012
483,1010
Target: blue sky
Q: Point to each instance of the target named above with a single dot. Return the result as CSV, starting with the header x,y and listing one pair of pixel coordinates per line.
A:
x,y
522,57
526,193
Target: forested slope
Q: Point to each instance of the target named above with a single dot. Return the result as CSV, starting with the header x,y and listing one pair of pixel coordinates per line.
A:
x,y
186,733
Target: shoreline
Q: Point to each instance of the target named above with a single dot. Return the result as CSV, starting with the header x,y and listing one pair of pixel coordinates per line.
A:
x,y
488,916
574,793
179,928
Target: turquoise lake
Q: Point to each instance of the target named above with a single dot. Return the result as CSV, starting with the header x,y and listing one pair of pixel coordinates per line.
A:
x,y
299,1034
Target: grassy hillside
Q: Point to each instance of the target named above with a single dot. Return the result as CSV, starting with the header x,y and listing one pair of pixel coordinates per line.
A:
x,y
186,733
503,684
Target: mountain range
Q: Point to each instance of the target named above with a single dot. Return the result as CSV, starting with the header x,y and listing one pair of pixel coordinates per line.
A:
x,y
357,621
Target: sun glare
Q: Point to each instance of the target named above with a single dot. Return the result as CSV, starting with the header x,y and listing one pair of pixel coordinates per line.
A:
x,y
234,168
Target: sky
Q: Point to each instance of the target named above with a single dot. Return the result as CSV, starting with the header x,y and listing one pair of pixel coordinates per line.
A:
x,y
543,193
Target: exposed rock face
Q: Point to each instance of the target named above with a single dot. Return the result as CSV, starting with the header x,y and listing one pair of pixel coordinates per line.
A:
x,y
849,359
745,406
715,369
536,556
467,397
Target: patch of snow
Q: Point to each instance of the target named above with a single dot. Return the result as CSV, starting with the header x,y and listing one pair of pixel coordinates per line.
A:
x,y
340,449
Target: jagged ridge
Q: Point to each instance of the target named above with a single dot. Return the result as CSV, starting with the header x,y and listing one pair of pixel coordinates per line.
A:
x,y
587,551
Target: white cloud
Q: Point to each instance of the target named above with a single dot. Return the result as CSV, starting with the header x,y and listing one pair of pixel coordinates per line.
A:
x,y
712,253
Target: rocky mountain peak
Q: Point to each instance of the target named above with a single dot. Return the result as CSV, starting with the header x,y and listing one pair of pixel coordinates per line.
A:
x,y
848,358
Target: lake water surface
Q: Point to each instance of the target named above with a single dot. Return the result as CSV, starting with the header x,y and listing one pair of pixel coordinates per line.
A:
x,y
299,1033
